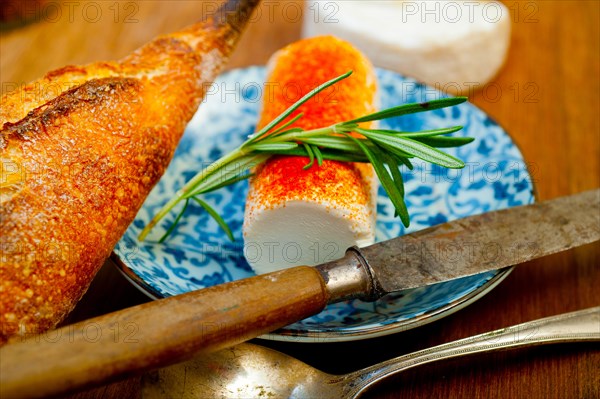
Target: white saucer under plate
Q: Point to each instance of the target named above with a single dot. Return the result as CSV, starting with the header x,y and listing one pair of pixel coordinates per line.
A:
x,y
198,254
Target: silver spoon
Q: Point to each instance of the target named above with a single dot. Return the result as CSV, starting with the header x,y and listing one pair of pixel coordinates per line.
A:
x,y
251,371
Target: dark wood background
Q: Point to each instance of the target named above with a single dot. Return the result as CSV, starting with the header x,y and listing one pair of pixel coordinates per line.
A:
x,y
548,101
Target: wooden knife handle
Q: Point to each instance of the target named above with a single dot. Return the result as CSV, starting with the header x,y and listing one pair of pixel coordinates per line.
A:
x,y
158,333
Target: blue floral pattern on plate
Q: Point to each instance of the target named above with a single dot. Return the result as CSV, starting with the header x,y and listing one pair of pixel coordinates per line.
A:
x,y
198,254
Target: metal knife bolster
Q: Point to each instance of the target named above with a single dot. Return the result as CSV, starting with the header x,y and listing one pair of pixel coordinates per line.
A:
x,y
350,277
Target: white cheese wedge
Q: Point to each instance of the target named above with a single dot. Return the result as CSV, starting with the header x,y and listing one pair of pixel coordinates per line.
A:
x,y
454,46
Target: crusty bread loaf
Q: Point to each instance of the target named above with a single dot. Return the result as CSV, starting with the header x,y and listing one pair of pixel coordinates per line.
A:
x,y
304,217
79,160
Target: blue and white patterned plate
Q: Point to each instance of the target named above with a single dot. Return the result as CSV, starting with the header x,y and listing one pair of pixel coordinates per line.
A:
x,y
199,254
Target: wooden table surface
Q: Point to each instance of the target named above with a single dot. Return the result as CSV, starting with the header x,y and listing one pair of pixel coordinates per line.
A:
x,y
548,100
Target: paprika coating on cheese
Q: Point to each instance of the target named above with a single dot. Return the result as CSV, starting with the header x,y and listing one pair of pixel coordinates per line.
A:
x,y
338,190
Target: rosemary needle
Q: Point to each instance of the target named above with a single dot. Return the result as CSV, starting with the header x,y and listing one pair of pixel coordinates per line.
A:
x,y
386,150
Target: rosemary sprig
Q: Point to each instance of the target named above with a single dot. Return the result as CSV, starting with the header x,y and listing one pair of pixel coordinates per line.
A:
x,y
386,150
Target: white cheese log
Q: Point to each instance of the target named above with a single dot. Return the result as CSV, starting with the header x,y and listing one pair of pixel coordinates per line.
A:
x,y
305,217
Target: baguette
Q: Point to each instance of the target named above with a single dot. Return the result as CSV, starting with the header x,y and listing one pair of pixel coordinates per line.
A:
x,y
79,160
305,217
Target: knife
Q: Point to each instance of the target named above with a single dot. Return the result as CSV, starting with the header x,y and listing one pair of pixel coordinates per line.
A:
x,y
170,330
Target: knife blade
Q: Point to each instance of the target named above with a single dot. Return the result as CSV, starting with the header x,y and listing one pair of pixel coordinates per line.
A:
x,y
477,244
170,330
487,242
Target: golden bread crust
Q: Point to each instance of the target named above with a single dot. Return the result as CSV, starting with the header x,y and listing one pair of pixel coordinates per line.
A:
x,y
79,160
